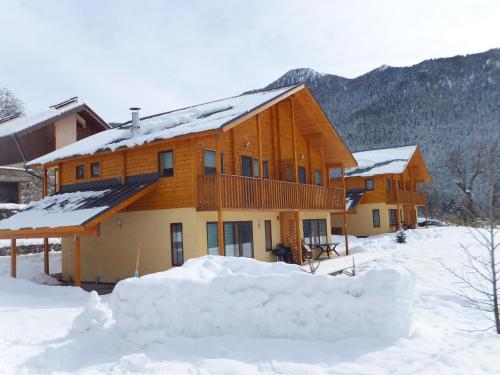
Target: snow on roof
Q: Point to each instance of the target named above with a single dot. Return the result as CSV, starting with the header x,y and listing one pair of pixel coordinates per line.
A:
x,y
56,210
195,119
21,123
381,161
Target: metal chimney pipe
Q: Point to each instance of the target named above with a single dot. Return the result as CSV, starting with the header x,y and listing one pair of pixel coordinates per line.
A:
x,y
135,119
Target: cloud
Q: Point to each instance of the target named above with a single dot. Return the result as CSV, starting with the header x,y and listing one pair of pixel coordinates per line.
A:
x,y
162,55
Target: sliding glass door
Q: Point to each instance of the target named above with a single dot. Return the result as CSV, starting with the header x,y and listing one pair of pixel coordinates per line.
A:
x,y
238,238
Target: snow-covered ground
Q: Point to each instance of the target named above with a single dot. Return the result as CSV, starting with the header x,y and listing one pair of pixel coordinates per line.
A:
x,y
39,334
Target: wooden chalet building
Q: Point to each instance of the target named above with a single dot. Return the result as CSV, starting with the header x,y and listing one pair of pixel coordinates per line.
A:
x,y
232,177
24,138
383,191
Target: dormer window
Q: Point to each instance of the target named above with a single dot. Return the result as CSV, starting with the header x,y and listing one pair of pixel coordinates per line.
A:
x,y
80,172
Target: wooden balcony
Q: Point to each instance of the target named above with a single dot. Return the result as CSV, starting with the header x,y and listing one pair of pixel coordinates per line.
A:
x,y
238,192
406,197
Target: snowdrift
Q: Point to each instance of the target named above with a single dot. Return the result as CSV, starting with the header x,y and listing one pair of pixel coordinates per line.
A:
x,y
214,296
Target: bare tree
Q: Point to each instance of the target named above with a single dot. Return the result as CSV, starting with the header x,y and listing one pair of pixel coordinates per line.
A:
x,y
9,103
481,273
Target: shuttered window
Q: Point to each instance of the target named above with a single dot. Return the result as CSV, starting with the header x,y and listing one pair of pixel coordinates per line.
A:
x,y
177,244
166,163
213,238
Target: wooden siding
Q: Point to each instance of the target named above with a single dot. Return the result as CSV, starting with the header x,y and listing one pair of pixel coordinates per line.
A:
x,y
276,146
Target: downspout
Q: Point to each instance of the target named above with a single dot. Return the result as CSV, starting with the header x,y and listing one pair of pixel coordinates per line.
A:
x,y
21,152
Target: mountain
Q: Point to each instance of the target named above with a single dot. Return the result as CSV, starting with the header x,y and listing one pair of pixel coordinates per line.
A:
x,y
440,104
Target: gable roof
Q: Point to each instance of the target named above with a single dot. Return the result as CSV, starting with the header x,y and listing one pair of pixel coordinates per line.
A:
x,y
25,124
219,114
393,160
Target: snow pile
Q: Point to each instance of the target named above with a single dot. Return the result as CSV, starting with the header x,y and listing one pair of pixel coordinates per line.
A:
x,y
94,317
381,161
215,296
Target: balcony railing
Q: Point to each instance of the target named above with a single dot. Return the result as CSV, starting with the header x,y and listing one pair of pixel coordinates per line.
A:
x,y
238,192
406,197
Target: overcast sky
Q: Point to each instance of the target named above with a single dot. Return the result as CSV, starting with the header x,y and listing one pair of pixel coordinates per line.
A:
x,y
162,55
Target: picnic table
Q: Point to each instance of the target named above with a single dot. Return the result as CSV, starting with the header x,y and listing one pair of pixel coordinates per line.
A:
x,y
328,248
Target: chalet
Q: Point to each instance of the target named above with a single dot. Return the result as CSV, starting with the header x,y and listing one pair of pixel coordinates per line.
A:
x,y
24,138
383,191
231,177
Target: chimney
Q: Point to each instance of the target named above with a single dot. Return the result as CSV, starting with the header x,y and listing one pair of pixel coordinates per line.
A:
x,y
135,120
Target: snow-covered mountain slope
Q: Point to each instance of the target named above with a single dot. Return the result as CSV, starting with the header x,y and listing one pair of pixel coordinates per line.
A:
x,y
38,335
438,104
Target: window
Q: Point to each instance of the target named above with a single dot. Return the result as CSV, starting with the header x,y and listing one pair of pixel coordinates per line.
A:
x,y
166,163
318,177
246,166
95,169
314,231
176,244
369,185
256,168
80,172
388,184
209,162
302,175
393,220
238,238
9,192
213,238
335,172
222,166
265,169
268,235
376,218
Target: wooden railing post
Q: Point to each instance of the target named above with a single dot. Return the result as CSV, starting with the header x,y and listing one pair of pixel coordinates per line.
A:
x,y
78,277
220,219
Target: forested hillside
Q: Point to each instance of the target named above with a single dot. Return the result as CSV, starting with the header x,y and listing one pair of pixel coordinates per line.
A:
x,y
441,104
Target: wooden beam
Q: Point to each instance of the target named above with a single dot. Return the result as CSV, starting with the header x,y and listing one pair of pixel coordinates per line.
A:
x,y
344,214
77,271
294,143
278,136
13,258
262,108
220,219
194,174
398,216
45,182
309,153
49,232
261,169
324,170
124,167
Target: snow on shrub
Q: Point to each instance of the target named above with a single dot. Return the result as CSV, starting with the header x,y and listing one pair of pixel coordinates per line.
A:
x,y
94,317
214,296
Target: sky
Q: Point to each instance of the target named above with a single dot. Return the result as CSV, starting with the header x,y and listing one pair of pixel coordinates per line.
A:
x,y
162,55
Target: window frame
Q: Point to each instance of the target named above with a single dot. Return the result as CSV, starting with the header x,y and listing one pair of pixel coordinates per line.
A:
x,y
205,151
315,238
376,223
372,184
246,158
237,237
268,235
302,175
319,173
209,223
160,153
174,263
92,175
255,168
265,169
80,167
393,213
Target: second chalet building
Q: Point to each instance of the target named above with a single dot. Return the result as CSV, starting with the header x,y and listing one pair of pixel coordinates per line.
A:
x,y
383,191
233,177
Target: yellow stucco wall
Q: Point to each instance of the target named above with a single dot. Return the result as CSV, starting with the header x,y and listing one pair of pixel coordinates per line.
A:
x,y
112,255
361,223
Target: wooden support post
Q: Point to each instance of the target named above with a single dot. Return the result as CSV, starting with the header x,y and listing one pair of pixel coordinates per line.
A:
x,y
77,271
46,268
294,142
398,216
220,219
278,136
261,168
194,174
426,210
59,177
13,258
324,170
344,215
